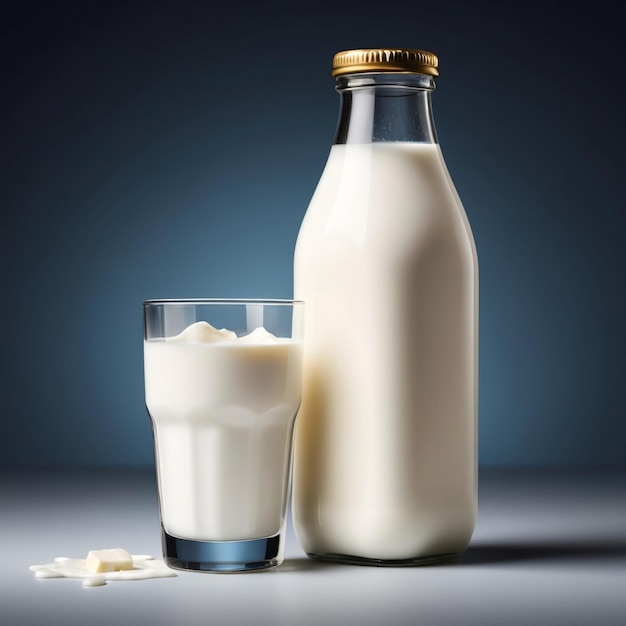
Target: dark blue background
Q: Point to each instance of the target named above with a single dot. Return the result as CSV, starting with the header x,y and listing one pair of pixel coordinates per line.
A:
x,y
154,149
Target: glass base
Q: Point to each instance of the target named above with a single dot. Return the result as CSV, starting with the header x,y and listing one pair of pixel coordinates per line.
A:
x,y
438,559
221,556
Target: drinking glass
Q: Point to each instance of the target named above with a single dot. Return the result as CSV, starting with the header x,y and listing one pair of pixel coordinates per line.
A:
x,y
223,384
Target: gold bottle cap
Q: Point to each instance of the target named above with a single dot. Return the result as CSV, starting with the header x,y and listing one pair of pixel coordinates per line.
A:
x,y
385,60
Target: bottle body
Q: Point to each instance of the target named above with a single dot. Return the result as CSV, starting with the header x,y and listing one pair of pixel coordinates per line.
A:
x,y
385,447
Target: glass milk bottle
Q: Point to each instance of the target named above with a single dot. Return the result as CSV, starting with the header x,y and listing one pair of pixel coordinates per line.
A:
x,y
385,452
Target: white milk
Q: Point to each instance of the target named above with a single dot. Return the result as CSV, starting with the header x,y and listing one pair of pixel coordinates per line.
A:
x,y
223,411
144,567
384,463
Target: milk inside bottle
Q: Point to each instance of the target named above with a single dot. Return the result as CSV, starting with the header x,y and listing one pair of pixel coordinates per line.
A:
x,y
385,468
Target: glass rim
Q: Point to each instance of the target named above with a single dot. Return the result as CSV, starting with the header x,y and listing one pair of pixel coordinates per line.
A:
x,y
222,301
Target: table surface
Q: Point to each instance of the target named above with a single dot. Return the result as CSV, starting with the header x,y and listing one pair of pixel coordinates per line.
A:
x,y
549,548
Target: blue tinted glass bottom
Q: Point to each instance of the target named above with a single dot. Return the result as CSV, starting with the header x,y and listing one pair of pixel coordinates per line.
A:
x,y
221,556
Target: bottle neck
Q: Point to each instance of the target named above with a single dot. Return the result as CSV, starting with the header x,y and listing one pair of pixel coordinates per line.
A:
x,y
378,107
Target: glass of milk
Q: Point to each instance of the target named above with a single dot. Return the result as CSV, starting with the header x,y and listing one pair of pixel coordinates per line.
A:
x,y
223,384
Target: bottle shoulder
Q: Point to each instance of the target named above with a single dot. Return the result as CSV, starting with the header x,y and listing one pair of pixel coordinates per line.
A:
x,y
393,190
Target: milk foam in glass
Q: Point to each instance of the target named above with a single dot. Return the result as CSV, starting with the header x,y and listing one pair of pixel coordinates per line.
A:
x,y
223,386
385,468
